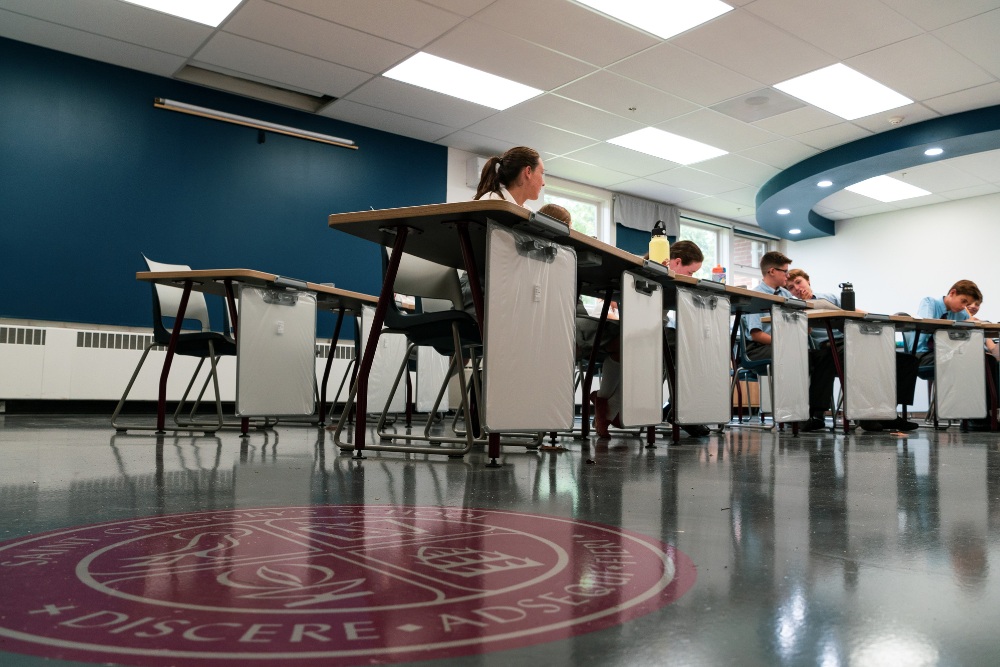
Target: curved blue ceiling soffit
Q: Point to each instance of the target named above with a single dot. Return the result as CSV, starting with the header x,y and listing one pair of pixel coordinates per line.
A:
x,y
795,188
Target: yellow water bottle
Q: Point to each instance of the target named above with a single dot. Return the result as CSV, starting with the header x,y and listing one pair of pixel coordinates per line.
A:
x,y
659,246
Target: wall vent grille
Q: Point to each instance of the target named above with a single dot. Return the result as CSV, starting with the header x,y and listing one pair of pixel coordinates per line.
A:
x,y
21,336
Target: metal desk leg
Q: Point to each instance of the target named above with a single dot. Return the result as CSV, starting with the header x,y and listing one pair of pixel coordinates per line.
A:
x,y
161,401
840,375
364,369
588,378
329,365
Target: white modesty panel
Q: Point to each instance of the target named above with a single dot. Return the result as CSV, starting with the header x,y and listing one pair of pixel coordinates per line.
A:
x,y
790,366
702,359
641,351
275,353
870,370
959,374
388,357
432,366
530,333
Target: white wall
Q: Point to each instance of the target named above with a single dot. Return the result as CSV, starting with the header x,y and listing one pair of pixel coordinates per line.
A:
x,y
895,259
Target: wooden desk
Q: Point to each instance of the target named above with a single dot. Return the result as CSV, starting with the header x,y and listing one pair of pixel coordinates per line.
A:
x,y
455,235
220,282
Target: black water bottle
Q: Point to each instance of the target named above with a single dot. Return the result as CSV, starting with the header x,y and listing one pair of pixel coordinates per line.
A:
x,y
846,296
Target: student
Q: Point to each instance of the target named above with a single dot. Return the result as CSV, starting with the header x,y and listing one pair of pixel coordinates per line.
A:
x,y
518,176
774,277
686,259
906,364
951,306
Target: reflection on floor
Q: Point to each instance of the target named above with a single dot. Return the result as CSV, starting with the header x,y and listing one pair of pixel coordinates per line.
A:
x,y
820,549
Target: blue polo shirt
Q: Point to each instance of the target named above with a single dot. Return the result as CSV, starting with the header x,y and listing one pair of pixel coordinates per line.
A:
x,y
752,322
932,308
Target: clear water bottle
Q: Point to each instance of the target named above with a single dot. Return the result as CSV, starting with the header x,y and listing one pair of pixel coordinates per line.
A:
x,y
847,296
659,245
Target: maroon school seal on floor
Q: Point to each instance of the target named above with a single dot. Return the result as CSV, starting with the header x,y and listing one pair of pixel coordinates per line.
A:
x,y
339,584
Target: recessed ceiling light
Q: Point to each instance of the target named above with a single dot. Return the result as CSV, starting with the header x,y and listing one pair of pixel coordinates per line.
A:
x,y
667,146
794,231
887,189
461,81
843,91
784,211
825,184
663,19
931,152
201,11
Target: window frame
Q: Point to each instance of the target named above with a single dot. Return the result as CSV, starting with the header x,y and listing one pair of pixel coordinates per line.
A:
x,y
584,194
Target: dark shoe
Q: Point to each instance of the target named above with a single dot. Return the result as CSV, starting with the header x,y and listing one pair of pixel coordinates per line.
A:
x,y
812,424
696,430
900,424
979,425
870,426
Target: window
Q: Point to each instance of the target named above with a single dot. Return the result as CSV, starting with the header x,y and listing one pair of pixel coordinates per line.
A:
x,y
746,253
590,208
706,237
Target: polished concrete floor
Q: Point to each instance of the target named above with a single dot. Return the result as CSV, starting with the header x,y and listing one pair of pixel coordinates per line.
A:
x,y
817,549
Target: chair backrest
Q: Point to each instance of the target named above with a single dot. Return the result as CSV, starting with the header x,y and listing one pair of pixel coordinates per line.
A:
x,y
167,299
427,280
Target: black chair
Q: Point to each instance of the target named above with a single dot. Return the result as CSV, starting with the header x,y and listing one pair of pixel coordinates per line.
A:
x,y
203,344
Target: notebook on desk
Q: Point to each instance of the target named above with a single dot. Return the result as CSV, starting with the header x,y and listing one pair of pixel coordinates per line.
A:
x,y
821,304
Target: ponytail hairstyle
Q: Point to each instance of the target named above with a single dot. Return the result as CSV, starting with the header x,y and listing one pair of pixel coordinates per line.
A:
x,y
504,170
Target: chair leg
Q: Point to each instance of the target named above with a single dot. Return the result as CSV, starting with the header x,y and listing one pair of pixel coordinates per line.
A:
x,y
128,388
380,426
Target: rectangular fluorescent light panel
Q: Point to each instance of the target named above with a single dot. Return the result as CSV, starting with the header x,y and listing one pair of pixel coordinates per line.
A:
x,y
887,189
664,18
465,83
207,12
843,91
667,146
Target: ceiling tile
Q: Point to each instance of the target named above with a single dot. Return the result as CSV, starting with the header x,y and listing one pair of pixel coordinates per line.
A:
x,y
303,33
920,67
974,191
688,178
543,138
976,39
463,7
418,102
88,45
575,117
305,73
619,95
622,159
738,168
919,201
910,114
834,135
932,14
974,98
716,129
535,21
781,154
746,44
388,121
806,119
843,28
715,206
872,209
476,143
758,105
845,200
685,74
984,166
936,177
118,20
641,187
533,65
408,22
583,172
745,197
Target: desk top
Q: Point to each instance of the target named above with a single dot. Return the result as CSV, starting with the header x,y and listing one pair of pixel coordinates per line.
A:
x,y
210,281
599,265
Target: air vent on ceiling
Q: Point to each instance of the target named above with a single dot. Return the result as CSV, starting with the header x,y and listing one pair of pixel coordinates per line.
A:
x,y
758,105
254,89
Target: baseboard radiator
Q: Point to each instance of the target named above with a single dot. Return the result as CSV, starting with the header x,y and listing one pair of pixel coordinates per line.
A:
x,y
60,362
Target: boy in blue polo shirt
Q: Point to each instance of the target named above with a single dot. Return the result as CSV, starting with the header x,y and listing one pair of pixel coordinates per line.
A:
x,y
951,306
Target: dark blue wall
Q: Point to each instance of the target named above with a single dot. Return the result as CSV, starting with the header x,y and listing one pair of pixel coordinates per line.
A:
x,y
92,175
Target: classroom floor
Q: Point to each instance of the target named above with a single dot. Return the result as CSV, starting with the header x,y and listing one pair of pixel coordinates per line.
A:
x,y
748,547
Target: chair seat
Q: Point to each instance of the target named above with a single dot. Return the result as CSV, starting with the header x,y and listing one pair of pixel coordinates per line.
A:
x,y
434,329
195,344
